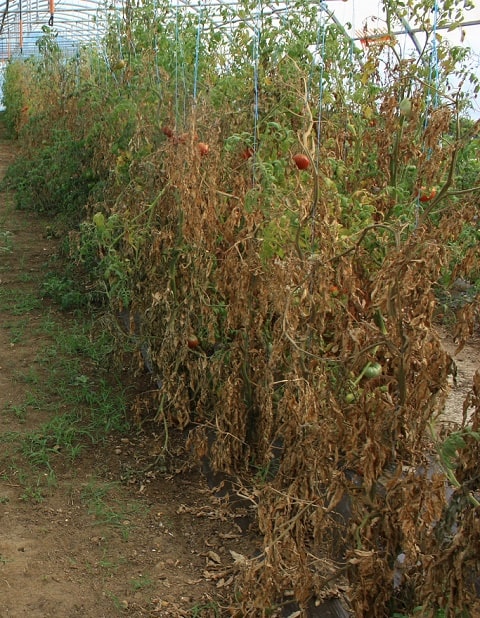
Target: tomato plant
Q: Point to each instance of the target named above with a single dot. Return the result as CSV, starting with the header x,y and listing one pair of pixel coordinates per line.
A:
x,y
284,270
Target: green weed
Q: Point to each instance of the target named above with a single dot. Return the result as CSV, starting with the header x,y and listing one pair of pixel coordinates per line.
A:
x,y
26,303
18,302
26,277
119,605
420,611
141,582
85,409
80,338
16,330
19,411
205,610
32,494
108,510
6,241
65,292
29,377
109,564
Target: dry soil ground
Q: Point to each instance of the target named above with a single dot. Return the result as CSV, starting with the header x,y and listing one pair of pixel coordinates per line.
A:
x,y
467,362
95,537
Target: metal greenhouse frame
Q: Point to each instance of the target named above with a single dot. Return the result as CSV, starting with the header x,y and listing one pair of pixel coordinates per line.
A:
x,y
76,22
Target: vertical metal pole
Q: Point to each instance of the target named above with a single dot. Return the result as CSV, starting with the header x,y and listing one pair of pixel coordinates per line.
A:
x,y
20,31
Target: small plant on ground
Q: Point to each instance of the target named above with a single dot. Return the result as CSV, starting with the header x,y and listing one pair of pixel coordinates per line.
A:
x,y
6,241
141,582
108,510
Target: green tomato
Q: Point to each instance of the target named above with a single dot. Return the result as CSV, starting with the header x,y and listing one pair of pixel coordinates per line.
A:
x,y
372,370
99,220
405,107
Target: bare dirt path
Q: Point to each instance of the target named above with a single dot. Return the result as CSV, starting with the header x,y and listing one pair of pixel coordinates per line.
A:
x,y
91,537
467,362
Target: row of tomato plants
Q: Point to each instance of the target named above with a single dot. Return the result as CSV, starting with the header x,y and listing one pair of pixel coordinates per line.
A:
x,y
269,244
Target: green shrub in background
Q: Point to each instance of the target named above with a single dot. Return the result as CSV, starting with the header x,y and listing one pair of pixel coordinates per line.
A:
x,y
15,95
54,179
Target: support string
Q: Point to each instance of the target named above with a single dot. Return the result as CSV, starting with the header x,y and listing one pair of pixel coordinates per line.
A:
x,y
197,55
256,88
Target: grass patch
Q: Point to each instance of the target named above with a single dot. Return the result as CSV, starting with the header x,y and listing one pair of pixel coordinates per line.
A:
x,y
71,385
141,582
84,411
20,412
107,509
16,330
110,564
6,241
28,377
18,303
61,435
206,610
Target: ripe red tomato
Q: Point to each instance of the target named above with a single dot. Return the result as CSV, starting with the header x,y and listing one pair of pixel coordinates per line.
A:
x,y
193,342
247,153
301,161
203,148
424,196
167,131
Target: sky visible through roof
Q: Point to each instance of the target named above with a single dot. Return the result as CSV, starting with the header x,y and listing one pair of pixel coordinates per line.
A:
x,y
76,16
356,15
22,22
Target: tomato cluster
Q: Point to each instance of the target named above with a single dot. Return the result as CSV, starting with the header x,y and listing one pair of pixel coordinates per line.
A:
x,y
301,160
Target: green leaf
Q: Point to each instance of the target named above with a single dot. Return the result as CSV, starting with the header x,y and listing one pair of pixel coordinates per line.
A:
x,y
449,449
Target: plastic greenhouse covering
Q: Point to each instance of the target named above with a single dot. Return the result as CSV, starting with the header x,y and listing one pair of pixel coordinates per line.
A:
x,y
26,26
22,22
